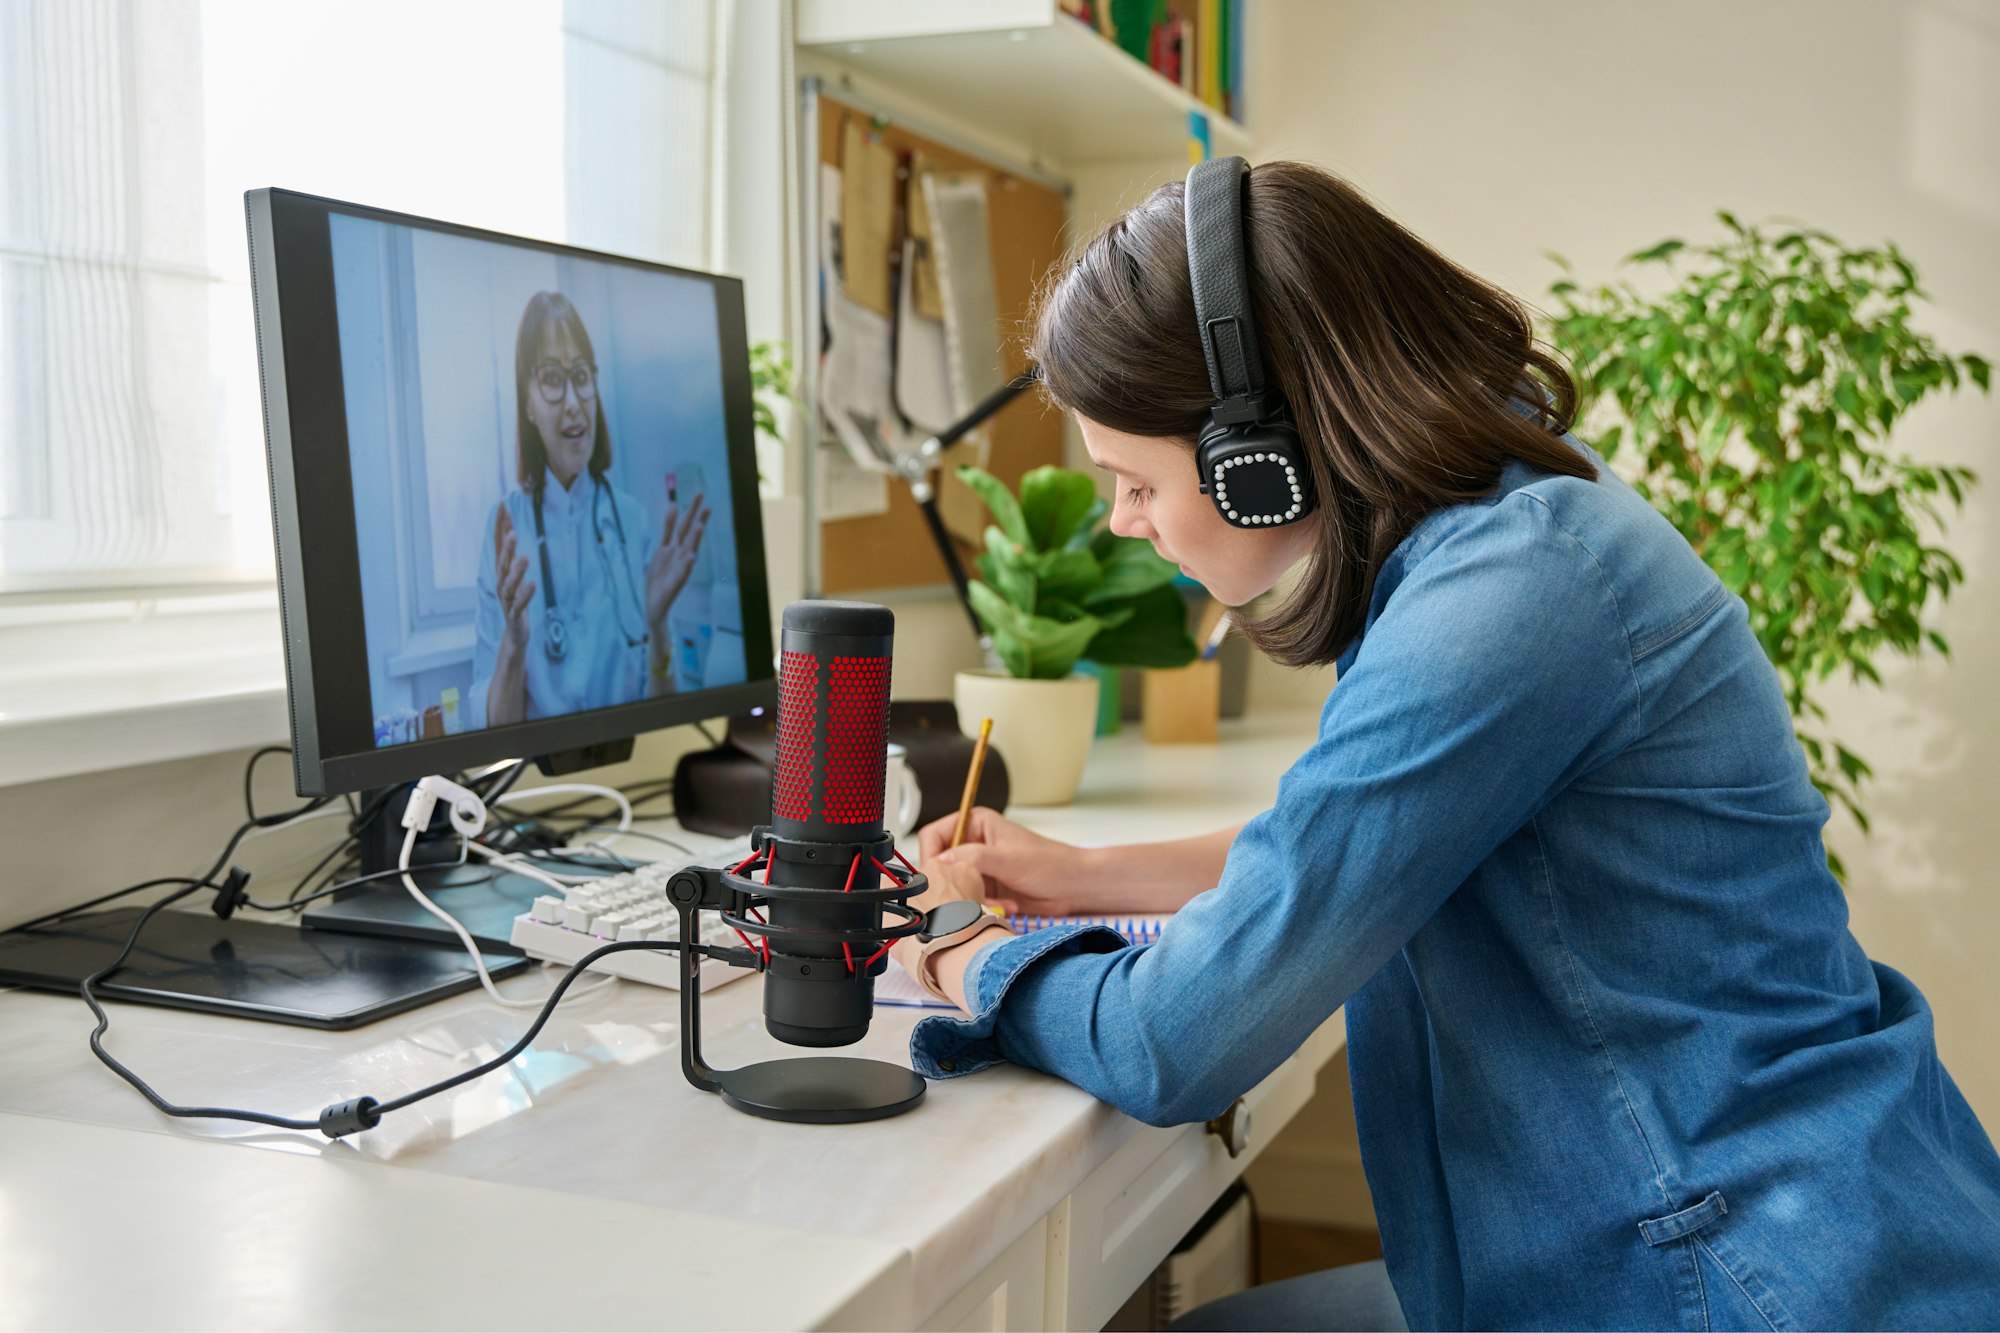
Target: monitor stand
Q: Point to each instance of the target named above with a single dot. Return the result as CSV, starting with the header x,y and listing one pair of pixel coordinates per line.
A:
x,y
485,898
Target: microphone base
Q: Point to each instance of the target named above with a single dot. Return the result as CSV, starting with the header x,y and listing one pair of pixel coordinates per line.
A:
x,y
821,1089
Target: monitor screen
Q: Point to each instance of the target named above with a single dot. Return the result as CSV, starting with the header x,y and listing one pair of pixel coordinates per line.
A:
x,y
515,492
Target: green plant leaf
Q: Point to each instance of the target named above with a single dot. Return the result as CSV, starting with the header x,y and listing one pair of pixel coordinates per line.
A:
x,y
1013,653
1661,251
994,611
1006,510
1055,645
1086,529
1008,569
1031,646
1067,573
1131,569
1155,636
1053,501
1753,402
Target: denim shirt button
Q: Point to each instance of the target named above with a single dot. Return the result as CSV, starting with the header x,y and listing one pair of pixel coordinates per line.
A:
x,y
948,1066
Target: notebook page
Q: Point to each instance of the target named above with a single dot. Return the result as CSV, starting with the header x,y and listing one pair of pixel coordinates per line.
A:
x,y
897,987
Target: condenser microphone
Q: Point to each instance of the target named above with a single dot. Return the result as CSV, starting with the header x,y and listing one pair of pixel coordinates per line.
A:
x,y
832,755
820,868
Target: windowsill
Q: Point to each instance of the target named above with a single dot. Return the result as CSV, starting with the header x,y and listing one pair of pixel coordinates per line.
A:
x,y
112,685
90,686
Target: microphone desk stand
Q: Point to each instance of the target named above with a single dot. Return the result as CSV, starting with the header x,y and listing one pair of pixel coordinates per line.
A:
x,y
821,1090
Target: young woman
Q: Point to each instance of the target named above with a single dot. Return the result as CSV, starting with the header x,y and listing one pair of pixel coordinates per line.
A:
x,y
573,593
1617,1060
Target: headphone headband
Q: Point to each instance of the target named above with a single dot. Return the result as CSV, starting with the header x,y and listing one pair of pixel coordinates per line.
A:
x,y
1213,215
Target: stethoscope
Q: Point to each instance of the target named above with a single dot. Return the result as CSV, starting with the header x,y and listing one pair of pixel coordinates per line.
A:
x,y
555,637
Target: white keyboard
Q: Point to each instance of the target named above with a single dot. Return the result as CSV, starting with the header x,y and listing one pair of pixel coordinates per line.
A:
x,y
631,905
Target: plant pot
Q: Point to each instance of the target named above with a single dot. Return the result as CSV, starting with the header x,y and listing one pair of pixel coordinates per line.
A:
x,y
1043,727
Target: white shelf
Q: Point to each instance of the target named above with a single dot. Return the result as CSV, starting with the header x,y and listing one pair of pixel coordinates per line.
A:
x,y
1024,68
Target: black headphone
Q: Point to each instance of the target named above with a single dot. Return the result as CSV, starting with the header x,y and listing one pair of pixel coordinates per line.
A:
x,y
1248,458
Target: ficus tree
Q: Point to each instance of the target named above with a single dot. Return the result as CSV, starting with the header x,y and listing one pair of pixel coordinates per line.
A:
x,y
1753,401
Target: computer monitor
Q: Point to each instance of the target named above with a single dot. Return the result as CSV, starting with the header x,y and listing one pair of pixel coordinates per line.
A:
x,y
514,493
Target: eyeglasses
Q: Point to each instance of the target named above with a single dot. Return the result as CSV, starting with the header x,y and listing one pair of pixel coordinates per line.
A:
x,y
552,376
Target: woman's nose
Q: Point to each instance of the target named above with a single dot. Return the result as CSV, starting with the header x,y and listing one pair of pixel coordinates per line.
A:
x,y
1124,522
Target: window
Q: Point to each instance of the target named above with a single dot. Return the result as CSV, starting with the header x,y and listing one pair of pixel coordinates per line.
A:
x,y
131,432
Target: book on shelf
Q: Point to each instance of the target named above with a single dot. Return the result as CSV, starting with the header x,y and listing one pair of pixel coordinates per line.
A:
x,y
1195,44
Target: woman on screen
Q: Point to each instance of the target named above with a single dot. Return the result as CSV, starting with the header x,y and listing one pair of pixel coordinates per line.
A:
x,y
573,596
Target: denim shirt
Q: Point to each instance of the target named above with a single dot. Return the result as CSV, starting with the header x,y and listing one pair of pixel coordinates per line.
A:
x,y
1617,1060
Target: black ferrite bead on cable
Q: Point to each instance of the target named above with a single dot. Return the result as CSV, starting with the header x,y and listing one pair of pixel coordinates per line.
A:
x,y
347,1117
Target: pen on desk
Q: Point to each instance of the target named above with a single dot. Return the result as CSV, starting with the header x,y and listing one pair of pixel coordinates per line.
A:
x,y
1215,637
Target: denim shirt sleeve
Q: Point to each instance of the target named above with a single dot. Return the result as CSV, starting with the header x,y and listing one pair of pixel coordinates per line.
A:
x,y
1494,670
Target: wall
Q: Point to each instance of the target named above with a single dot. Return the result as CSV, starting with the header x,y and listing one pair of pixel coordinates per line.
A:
x,y
1499,131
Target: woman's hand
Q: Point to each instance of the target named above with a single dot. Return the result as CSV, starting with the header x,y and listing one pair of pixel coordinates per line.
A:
x,y
1020,871
511,583
673,560
947,883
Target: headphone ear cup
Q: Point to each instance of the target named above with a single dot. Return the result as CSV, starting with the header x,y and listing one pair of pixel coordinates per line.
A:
x,y
1254,473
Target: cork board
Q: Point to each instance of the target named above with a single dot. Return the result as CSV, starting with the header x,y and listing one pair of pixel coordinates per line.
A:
x,y
1026,221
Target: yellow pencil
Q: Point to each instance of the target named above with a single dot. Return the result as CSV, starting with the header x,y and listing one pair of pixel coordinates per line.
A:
x,y
971,786
971,781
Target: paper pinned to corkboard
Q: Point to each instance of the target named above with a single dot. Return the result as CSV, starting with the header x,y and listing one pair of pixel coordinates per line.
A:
x,y
867,205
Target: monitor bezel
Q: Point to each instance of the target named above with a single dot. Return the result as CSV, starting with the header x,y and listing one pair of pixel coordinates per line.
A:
x,y
317,546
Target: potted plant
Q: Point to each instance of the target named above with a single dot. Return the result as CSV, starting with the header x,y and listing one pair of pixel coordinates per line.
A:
x,y
1053,589
1751,402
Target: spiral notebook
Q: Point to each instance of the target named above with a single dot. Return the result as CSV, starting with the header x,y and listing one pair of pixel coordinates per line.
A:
x,y
897,987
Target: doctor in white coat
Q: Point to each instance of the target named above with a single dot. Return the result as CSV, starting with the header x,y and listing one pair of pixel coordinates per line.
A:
x,y
573,593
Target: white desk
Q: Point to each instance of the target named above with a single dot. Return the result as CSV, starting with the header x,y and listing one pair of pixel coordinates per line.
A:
x,y
588,1184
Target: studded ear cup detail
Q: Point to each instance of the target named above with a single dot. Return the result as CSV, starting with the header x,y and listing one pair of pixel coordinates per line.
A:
x,y
1248,457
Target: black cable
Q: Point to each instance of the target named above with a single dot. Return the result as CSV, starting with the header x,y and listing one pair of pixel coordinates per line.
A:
x,y
250,770
548,1009
506,778
635,833
358,1113
250,806
104,1023
333,854
707,735
340,1118
295,904
65,912
589,859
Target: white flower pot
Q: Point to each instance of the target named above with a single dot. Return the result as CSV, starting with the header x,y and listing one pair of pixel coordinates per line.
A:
x,y
1043,728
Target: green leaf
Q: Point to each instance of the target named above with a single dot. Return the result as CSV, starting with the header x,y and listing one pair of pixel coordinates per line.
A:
x,y
1053,501
1080,539
1067,573
1661,251
1005,566
1980,369
1006,510
1032,646
1055,645
1155,636
1131,569
1013,652
994,611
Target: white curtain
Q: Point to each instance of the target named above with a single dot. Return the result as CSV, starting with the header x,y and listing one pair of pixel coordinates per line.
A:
x,y
131,431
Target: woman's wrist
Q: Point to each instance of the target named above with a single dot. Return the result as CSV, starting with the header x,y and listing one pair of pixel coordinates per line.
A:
x,y
941,968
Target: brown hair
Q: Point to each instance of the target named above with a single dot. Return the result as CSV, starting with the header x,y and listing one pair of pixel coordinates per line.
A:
x,y
531,456
1396,363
